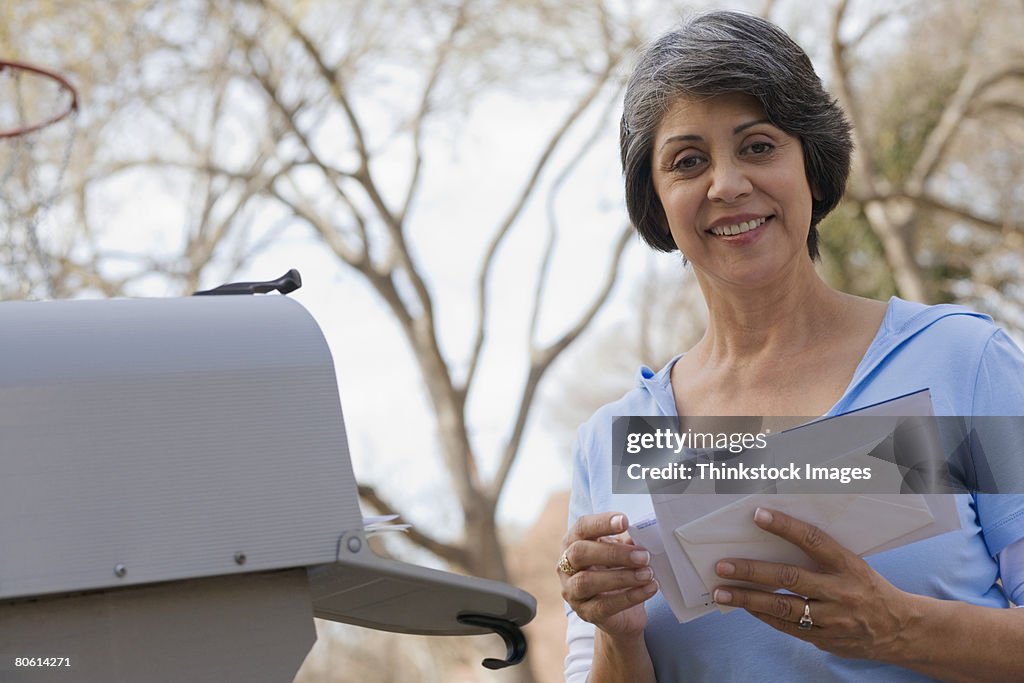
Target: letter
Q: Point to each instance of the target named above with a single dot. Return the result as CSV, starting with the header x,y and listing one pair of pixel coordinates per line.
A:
x,y
761,442
702,440
629,471
680,443
631,443
734,447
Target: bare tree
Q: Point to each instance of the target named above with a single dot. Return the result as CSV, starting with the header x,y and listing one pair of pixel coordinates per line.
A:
x,y
956,74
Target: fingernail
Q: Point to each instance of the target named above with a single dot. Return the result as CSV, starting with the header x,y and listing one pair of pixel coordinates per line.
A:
x,y
640,557
763,516
644,574
725,568
722,596
651,588
618,523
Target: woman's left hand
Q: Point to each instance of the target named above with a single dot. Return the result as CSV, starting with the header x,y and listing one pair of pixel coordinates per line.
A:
x,y
854,610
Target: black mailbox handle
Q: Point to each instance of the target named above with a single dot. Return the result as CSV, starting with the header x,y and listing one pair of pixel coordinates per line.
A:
x,y
288,282
514,639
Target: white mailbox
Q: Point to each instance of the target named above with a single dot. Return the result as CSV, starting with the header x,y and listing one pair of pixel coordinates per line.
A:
x,y
177,500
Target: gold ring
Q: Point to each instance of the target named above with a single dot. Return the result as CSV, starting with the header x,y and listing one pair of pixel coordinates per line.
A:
x,y
564,566
805,621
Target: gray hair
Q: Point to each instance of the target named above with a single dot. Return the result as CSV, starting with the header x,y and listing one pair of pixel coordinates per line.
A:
x,y
720,53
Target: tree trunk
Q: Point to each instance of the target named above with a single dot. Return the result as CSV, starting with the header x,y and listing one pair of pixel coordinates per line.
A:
x,y
891,231
484,553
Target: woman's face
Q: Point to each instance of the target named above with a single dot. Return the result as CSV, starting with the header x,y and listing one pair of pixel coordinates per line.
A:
x,y
734,190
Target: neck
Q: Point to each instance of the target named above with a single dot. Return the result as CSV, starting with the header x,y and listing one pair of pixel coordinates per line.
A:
x,y
770,323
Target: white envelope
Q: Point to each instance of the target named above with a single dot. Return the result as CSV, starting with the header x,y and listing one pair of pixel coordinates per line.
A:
x,y
946,518
645,533
673,510
860,522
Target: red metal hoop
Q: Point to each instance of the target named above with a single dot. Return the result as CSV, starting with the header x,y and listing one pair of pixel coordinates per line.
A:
x,y
53,76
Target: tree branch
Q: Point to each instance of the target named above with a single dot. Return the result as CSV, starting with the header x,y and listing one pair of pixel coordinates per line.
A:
x,y
955,110
357,259
933,203
418,325
334,175
289,115
482,303
941,135
552,199
363,175
876,21
543,358
1008,106
440,59
863,157
329,75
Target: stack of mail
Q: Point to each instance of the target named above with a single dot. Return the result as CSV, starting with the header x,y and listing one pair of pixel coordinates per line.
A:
x,y
689,533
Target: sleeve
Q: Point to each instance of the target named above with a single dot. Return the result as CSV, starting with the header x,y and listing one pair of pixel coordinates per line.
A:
x,y
999,384
580,637
1011,570
579,634
997,432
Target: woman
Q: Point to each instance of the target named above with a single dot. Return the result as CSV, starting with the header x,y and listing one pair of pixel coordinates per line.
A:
x,y
733,153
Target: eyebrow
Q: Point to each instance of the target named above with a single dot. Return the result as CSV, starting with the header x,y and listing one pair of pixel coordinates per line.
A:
x,y
697,138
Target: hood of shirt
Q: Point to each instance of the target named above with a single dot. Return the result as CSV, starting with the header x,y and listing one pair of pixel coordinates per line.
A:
x,y
903,322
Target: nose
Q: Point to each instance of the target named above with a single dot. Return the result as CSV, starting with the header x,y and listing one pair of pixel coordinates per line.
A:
x,y
729,182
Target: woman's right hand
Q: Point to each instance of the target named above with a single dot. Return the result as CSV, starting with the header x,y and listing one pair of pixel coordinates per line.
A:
x,y
611,577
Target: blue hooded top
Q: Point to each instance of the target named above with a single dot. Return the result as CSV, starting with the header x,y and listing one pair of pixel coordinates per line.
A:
x,y
971,367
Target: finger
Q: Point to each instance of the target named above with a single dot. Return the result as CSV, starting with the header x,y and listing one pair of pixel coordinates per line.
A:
x,y
818,545
583,555
588,527
776,575
602,606
586,585
788,608
624,537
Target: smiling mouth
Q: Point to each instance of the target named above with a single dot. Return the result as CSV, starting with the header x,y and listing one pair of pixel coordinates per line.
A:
x,y
739,228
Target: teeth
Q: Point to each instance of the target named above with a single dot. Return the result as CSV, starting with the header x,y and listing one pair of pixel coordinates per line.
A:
x,y
746,226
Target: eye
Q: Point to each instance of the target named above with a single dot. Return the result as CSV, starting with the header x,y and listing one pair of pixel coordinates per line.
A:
x,y
688,163
760,148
